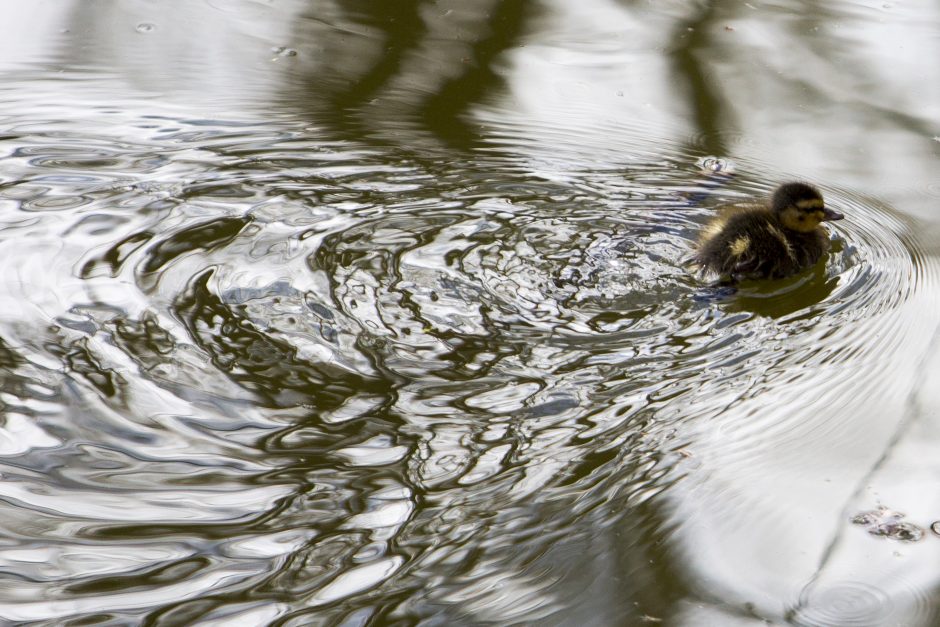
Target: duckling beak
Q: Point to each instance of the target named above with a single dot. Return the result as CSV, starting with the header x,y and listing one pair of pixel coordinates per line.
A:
x,y
830,214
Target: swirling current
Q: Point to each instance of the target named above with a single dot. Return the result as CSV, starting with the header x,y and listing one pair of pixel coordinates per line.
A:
x,y
248,371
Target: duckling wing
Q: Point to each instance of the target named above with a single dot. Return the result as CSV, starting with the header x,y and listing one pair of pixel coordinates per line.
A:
x,y
748,245
727,214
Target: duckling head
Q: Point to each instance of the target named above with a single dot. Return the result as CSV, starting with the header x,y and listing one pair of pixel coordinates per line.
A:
x,y
800,207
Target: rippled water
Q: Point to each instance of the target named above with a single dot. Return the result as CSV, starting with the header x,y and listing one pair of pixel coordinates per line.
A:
x,y
353,317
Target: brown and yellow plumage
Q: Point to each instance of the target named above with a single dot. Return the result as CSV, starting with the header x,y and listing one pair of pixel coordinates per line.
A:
x,y
754,241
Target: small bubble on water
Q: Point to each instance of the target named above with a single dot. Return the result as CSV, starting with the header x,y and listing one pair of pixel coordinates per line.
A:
x,y
716,165
902,531
887,523
146,27
936,527
877,516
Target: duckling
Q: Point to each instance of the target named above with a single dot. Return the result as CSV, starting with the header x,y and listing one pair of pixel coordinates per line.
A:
x,y
753,241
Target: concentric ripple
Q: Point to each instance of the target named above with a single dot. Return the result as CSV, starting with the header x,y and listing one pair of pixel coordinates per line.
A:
x,y
382,313
546,279
860,604
375,352
849,604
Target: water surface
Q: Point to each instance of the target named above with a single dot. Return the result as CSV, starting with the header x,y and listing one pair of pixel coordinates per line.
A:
x,y
348,314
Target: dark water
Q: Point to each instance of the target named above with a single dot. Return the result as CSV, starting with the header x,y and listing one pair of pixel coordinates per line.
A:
x,y
380,313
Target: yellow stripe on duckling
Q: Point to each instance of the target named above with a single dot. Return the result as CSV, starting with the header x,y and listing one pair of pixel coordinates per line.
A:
x,y
740,246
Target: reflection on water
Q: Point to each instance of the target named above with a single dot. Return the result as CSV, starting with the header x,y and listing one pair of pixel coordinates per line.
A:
x,y
363,314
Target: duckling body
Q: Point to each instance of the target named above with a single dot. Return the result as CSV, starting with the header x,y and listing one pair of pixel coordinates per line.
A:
x,y
775,240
